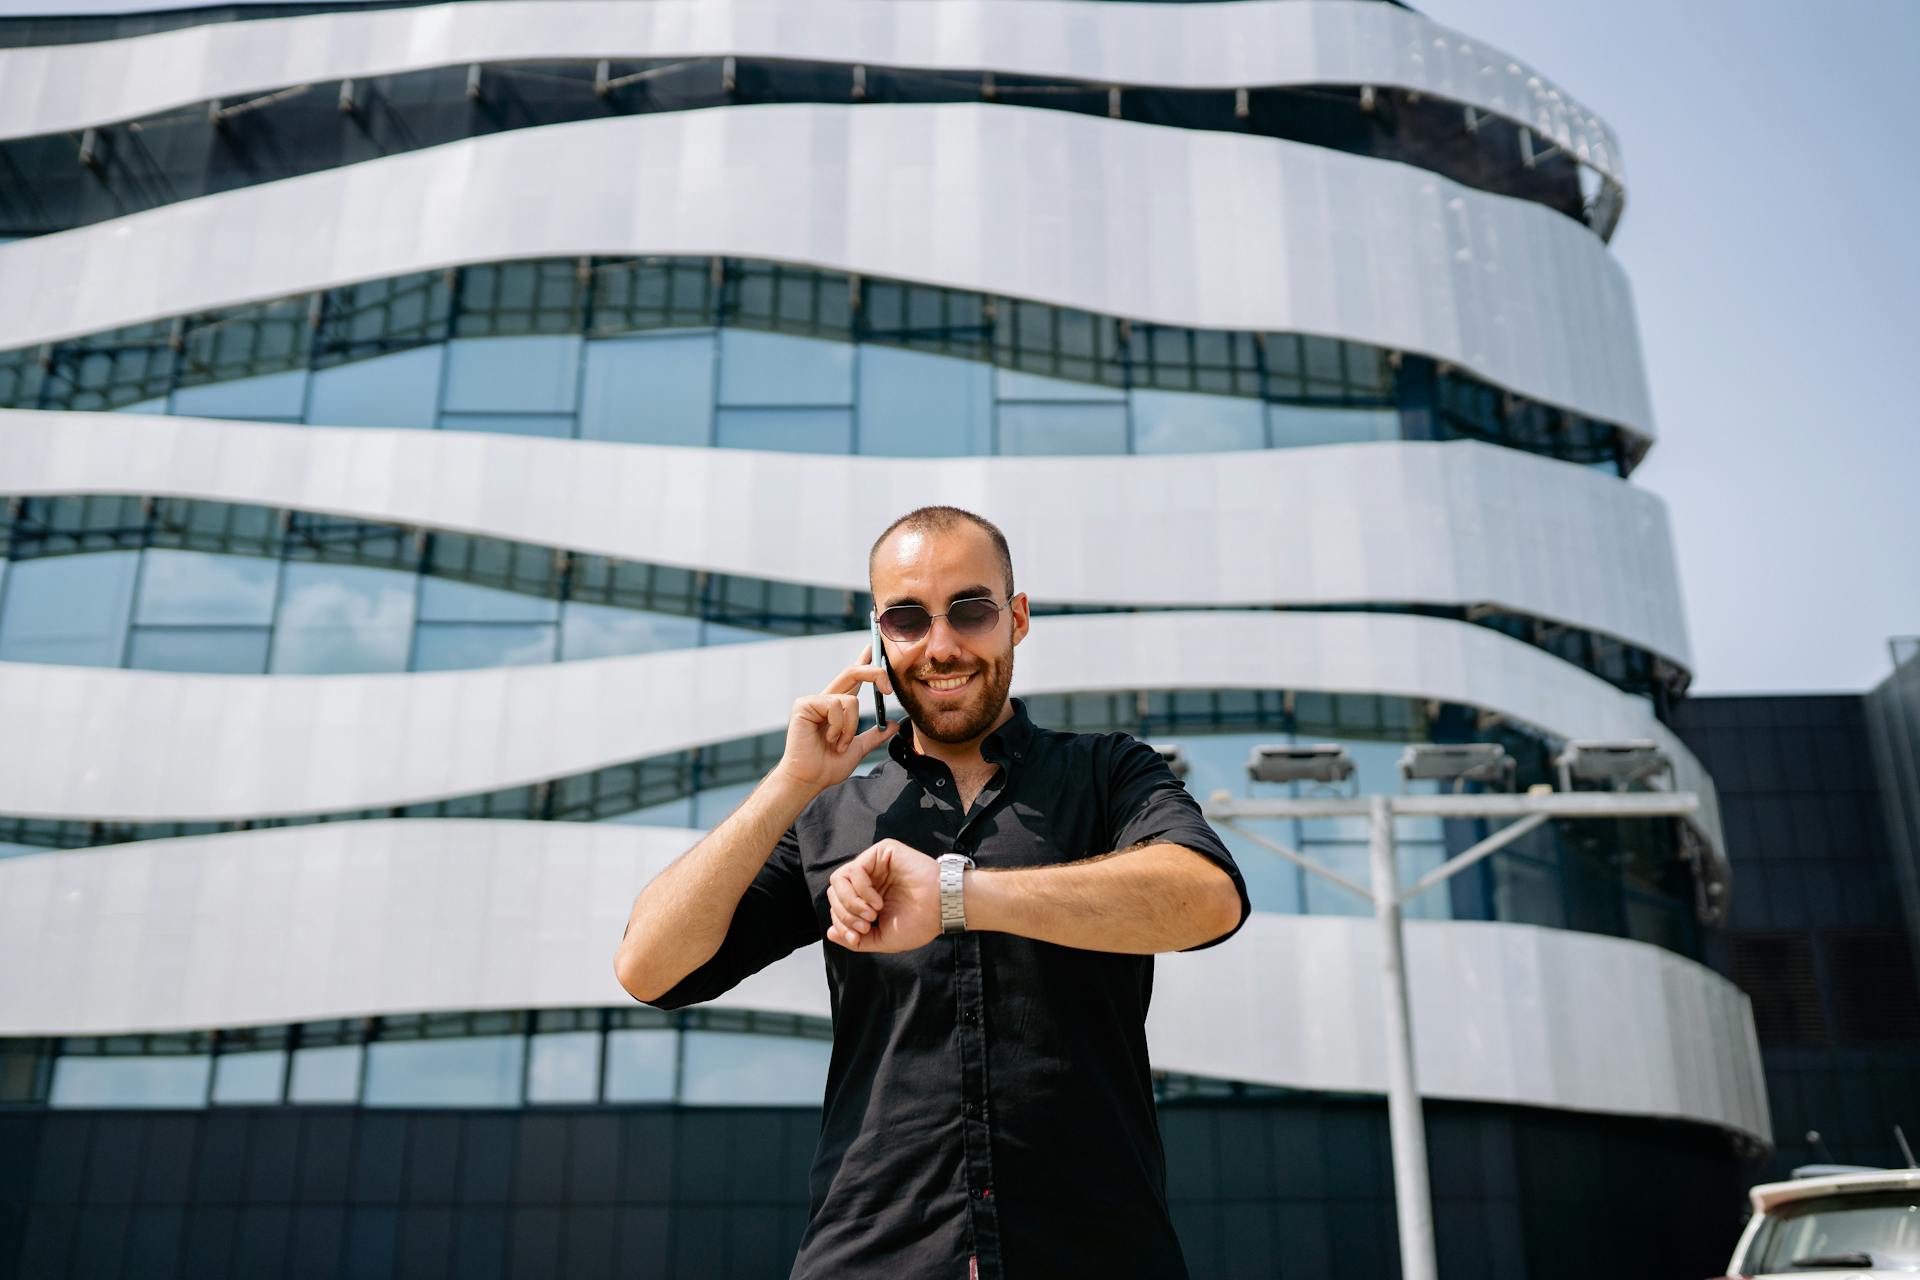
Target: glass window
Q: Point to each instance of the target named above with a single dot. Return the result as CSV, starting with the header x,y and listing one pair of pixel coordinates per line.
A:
x,y
460,1071
467,646
252,1076
172,1080
1526,891
327,1074
603,631
156,405
449,600
1353,861
785,430
537,373
712,805
68,609
343,618
1011,384
272,397
652,390
1415,859
212,650
780,369
397,390
673,813
1190,422
565,1067
1063,429
640,1066
205,587
1301,424
915,405
736,1066
556,426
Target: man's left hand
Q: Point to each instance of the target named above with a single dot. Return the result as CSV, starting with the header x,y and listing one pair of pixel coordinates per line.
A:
x,y
886,898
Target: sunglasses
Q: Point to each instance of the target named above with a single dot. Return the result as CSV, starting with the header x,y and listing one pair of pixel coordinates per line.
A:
x,y
909,623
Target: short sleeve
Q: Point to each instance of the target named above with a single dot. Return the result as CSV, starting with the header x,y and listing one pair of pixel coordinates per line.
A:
x,y
1147,804
775,918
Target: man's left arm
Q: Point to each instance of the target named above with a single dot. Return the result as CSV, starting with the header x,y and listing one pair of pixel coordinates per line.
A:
x,y
1171,886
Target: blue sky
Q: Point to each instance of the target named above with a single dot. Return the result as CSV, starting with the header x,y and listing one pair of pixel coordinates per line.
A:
x,y
1769,234
1773,193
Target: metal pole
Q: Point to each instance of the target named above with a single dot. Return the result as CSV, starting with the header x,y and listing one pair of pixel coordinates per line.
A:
x,y
1412,1199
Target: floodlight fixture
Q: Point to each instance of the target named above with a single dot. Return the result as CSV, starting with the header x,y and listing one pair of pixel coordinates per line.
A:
x,y
1326,762
1458,763
1176,757
1616,764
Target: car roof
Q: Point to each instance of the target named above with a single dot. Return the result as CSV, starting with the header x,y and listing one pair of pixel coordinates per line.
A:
x,y
1771,1195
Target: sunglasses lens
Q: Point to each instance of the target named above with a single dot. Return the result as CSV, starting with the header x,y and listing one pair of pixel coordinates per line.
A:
x,y
971,617
904,623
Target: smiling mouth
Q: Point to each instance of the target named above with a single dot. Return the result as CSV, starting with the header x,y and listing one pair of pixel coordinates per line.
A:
x,y
946,686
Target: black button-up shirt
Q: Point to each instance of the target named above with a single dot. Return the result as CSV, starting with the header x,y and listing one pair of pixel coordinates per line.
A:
x,y
989,1100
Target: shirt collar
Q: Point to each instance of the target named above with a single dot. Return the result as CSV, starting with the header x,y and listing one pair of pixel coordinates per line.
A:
x,y
1010,740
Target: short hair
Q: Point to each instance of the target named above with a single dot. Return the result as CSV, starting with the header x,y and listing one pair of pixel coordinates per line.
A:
x,y
940,520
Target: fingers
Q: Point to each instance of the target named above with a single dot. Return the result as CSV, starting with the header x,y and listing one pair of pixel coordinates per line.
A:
x,y
875,736
853,903
855,876
858,674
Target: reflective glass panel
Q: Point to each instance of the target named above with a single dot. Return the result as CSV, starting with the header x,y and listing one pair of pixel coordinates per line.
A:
x,y
565,1067
68,609
1190,422
640,1066
461,1071
785,430
156,405
343,618
735,1066
467,646
1526,891
172,1080
556,426
917,405
537,373
780,369
1063,429
674,813
210,650
1299,424
446,600
253,1076
604,631
1416,859
1011,384
179,586
1353,861
652,390
270,397
398,390
711,806
327,1074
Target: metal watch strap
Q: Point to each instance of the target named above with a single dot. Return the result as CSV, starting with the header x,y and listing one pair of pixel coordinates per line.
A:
x,y
953,898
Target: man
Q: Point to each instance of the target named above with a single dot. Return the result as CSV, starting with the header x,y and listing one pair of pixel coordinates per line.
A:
x,y
989,1108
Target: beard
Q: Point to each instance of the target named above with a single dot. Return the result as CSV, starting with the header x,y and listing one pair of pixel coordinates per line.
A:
x,y
958,720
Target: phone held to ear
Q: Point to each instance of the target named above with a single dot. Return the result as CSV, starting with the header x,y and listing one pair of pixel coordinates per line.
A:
x,y
880,659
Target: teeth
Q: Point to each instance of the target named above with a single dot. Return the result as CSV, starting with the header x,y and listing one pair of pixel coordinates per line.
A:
x,y
951,683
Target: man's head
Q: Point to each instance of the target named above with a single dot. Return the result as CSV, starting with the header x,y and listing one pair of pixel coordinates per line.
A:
x,y
932,557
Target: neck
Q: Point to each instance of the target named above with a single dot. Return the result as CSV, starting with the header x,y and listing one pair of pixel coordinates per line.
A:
x,y
959,755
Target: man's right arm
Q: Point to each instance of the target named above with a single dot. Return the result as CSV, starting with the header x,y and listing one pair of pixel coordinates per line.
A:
x,y
681,918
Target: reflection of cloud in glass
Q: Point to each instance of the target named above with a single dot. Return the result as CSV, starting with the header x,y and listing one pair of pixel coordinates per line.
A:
x,y
604,631
202,586
563,1067
1192,422
468,1071
343,618
733,1066
640,1066
468,646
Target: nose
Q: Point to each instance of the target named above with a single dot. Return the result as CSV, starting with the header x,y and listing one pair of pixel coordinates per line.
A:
x,y
943,645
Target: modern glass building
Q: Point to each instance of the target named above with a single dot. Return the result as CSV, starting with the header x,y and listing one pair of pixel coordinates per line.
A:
x,y
437,441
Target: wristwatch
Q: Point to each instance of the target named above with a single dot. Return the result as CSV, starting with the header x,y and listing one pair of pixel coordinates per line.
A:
x,y
953,898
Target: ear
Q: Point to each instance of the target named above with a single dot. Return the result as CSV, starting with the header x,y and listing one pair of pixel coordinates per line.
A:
x,y
1021,620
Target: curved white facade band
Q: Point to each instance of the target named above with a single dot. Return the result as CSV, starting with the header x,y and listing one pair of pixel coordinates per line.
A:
x,y
161,746
1219,231
1254,44
363,918
1457,523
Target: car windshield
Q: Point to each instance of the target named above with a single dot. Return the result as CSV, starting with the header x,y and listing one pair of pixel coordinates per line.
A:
x,y
1878,1229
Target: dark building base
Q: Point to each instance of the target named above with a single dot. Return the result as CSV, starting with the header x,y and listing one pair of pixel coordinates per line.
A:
x,y
1297,1187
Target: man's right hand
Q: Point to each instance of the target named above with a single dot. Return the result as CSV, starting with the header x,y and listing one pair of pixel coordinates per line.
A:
x,y
824,744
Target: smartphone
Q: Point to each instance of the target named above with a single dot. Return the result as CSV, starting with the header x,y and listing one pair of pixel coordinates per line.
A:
x,y
879,657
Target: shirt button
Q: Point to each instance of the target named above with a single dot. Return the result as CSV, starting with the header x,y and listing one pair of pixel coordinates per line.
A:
x,y
973,1108
939,782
